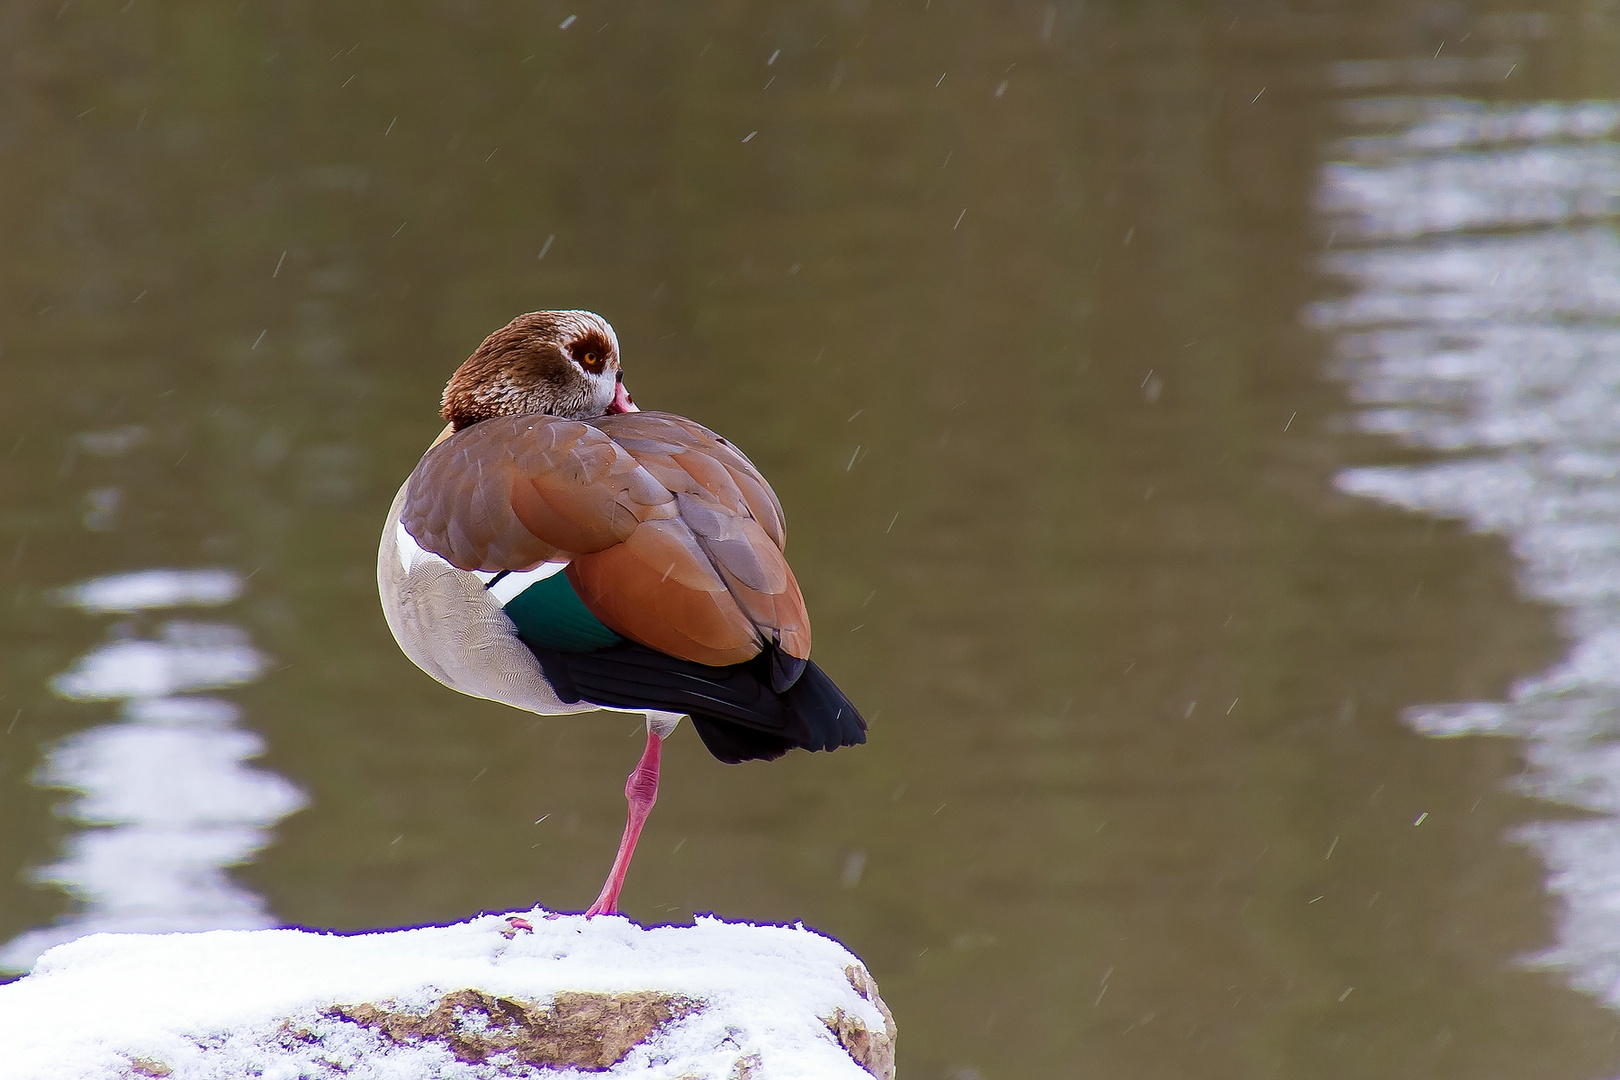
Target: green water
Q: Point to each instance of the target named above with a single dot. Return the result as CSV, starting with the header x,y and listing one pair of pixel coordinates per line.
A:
x,y
1005,302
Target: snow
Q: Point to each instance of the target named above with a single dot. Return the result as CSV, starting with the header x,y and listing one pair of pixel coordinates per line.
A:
x,y
752,1002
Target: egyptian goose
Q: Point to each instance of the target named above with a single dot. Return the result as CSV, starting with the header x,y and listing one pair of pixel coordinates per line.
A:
x,y
558,550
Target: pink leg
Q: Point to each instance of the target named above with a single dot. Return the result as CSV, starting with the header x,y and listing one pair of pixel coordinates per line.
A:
x,y
642,791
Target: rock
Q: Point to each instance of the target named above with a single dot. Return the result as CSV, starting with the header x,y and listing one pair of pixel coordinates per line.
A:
x,y
572,1030
872,1050
522,995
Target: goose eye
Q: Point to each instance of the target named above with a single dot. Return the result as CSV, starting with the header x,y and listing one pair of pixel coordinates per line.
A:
x,y
591,353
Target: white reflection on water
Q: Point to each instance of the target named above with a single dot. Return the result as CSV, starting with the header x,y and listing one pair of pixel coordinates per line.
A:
x,y
185,656
1483,321
165,796
147,589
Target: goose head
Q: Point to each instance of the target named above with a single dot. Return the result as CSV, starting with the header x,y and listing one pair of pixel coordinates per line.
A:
x,y
559,363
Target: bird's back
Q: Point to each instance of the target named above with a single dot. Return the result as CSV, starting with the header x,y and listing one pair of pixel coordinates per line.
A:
x,y
634,562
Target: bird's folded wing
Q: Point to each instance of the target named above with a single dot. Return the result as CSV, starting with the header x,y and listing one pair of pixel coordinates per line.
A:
x,y
673,538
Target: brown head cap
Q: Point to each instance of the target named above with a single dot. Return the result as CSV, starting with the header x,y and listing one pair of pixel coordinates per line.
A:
x,y
559,363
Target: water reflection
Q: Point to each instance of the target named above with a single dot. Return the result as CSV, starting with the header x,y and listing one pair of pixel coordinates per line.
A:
x,y
1480,323
165,796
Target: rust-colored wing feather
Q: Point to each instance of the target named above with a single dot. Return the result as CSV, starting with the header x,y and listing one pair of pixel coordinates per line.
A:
x,y
513,492
675,540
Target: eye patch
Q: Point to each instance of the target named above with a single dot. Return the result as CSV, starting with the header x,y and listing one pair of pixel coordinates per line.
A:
x,y
591,351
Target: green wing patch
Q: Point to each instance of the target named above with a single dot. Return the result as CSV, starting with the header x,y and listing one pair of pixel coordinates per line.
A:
x,y
550,615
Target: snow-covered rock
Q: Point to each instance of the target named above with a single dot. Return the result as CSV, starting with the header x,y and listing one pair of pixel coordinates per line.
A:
x,y
524,995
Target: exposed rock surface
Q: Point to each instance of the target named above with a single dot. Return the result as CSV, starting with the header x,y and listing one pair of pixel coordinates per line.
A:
x,y
872,1050
572,1030
544,998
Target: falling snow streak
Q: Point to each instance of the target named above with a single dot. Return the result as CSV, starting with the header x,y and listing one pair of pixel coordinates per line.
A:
x,y
1483,267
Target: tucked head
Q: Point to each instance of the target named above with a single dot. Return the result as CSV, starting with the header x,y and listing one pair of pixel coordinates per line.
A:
x,y
560,363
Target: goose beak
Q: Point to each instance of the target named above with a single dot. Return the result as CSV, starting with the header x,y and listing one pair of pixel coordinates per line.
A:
x,y
621,400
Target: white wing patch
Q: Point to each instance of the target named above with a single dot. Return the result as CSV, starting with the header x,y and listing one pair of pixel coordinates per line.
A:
x,y
509,585
411,553
406,547
514,583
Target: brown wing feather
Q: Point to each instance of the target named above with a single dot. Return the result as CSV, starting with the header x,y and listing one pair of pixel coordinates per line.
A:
x,y
668,446
659,589
479,498
675,539
731,512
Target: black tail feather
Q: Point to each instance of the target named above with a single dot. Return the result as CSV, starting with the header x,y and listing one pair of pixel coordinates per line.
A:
x,y
785,670
733,743
737,710
832,717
